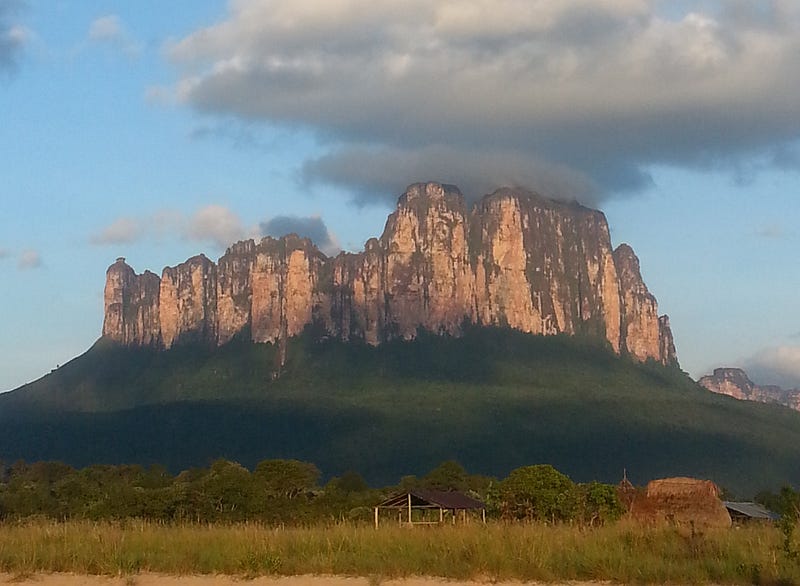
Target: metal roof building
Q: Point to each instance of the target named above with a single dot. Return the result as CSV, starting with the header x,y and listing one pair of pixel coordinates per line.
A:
x,y
749,511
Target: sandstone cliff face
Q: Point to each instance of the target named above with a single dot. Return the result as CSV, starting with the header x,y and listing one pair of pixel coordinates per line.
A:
x,y
545,267
642,332
188,302
517,260
131,306
734,382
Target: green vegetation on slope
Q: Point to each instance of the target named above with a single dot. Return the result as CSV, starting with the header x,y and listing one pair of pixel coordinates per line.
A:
x,y
494,400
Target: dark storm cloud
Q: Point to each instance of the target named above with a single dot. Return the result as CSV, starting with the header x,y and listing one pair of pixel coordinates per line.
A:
x,y
577,96
311,227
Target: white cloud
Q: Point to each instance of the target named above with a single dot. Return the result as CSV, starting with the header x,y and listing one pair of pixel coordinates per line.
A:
x,y
216,224
771,231
29,259
594,89
779,365
13,36
106,28
110,30
121,231
213,223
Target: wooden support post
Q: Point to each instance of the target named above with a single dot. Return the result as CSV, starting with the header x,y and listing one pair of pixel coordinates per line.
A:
x,y
376,517
483,515
409,508
441,515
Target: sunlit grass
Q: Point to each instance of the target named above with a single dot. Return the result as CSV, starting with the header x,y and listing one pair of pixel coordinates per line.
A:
x,y
623,553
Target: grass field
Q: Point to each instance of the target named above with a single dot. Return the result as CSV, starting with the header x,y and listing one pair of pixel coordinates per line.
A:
x,y
622,553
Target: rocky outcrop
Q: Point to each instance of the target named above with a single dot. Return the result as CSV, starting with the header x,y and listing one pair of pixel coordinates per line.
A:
x,y
516,259
642,334
131,306
188,302
734,382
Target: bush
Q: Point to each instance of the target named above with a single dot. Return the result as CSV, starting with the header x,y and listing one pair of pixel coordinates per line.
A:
x,y
539,493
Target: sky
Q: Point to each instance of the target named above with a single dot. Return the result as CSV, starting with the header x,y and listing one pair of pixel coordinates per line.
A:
x,y
159,130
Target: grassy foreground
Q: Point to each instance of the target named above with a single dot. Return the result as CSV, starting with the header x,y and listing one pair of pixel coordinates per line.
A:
x,y
624,553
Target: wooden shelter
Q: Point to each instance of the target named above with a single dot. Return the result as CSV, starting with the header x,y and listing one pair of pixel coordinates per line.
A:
x,y
747,512
430,507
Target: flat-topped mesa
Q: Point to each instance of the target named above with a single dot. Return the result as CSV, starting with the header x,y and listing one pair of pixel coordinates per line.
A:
x,y
734,382
517,259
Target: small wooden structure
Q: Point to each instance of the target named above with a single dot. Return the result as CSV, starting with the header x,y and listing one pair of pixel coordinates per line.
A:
x,y
747,512
419,507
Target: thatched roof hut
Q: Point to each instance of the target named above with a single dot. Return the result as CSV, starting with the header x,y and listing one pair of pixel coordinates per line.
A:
x,y
686,502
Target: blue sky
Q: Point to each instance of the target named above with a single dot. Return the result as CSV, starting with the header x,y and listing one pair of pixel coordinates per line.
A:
x,y
156,131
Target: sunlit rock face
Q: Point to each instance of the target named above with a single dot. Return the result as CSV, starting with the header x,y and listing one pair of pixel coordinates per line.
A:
x,y
734,382
642,331
545,267
516,259
188,302
131,306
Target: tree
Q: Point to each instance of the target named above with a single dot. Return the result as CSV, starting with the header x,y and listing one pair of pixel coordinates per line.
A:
x,y
349,482
287,478
228,488
449,475
599,503
538,493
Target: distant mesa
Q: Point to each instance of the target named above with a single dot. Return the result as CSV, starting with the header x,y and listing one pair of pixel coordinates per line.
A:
x,y
734,382
516,259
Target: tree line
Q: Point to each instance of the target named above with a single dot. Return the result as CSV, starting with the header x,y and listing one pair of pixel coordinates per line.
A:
x,y
280,492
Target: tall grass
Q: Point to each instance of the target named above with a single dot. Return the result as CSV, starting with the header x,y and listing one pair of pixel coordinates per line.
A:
x,y
625,553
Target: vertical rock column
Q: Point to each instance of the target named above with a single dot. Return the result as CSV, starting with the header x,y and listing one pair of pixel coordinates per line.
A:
x,y
188,307
131,306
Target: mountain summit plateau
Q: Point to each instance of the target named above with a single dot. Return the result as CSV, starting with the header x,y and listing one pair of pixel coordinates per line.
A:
x,y
516,259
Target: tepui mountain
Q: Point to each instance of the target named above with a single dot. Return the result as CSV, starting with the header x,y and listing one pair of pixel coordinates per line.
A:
x,y
499,334
516,259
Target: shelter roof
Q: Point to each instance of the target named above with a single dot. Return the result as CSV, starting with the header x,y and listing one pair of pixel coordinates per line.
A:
x,y
752,510
433,498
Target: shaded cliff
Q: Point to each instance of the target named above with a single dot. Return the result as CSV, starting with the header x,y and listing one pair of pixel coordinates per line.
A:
x,y
516,259
734,382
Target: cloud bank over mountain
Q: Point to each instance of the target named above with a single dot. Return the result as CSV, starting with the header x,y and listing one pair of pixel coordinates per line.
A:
x,y
575,98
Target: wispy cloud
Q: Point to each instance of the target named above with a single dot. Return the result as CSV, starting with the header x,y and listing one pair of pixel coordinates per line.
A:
x,y
771,232
4,253
779,365
120,231
574,89
29,259
111,31
13,36
216,224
